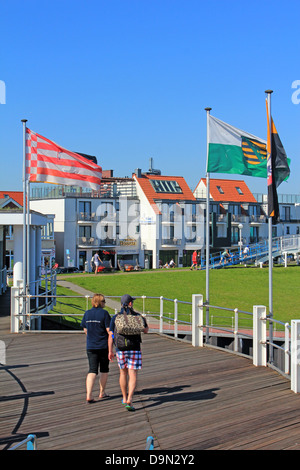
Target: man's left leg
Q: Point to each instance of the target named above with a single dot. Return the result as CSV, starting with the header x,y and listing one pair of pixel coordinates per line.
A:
x,y
90,380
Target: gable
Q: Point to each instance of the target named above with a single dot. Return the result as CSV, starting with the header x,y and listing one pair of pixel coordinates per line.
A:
x,y
168,188
229,190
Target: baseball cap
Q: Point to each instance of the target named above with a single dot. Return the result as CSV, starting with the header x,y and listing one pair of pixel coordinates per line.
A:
x,y
126,299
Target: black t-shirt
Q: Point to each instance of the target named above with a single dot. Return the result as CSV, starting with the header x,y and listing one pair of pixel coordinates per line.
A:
x,y
96,320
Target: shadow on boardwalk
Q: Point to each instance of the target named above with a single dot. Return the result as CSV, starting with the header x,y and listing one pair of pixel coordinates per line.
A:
x,y
187,398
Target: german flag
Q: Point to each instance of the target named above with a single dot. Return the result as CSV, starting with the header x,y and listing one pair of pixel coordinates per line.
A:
x,y
277,169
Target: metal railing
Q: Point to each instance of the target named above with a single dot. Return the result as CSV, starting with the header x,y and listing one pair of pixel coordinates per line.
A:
x,y
194,323
30,440
258,252
149,443
25,307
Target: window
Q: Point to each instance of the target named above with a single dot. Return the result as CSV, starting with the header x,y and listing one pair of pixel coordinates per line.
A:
x,y
220,190
254,235
239,190
85,208
234,235
165,186
253,210
286,213
85,231
234,209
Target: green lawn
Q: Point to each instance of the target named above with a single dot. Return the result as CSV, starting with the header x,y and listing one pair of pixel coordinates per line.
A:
x,y
230,287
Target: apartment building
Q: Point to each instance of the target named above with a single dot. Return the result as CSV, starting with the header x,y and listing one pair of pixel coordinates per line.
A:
x,y
238,215
171,219
144,220
88,221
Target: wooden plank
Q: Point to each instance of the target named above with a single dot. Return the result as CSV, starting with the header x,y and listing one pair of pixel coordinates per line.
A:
x,y
187,398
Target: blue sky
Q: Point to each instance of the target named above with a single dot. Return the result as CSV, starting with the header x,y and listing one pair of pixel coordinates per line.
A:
x,y
126,80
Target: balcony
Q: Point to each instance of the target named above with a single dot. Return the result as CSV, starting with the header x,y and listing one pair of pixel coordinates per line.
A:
x,y
171,241
87,217
257,219
108,242
86,242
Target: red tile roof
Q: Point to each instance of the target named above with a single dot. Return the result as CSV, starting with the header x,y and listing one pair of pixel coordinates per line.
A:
x,y
152,196
15,195
230,192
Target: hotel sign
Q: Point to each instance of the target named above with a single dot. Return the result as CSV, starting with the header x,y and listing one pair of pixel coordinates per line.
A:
x,y
128,242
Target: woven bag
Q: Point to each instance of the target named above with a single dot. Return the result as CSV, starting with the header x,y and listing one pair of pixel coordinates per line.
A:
x,y
128,324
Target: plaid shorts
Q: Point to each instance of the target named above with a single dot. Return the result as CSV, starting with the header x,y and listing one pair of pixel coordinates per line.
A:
x,y
129,359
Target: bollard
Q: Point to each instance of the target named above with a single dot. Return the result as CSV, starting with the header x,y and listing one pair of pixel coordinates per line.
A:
x,y
259,335
161,313
197,320
295,350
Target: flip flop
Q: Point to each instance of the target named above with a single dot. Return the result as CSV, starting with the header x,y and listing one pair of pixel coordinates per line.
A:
x,y
90,401
129,407
104,396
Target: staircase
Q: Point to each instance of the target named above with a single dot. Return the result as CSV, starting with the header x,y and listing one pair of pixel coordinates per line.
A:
x,y
258,252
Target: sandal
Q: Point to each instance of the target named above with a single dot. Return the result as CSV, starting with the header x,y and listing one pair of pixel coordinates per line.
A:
x,y
105,395
129,407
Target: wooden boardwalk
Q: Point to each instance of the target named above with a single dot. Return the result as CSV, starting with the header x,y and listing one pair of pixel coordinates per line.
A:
x,y
187,398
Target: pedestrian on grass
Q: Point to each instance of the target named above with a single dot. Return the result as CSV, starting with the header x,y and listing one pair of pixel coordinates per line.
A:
x,y
194,260
97,262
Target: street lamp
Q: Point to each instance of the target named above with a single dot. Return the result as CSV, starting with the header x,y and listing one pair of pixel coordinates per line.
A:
x,y
240,242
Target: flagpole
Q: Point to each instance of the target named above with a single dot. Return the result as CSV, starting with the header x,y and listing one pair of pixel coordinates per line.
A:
x,y
24,219
207,224
269,92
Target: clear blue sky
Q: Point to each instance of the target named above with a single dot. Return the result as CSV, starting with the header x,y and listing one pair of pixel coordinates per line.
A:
x,y
126,80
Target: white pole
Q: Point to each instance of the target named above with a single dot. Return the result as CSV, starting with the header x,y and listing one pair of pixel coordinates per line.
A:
x,y
24,215
269,92
207,223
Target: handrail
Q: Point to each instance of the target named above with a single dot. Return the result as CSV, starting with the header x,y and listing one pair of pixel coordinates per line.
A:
x,y
169,322
30,441
257,251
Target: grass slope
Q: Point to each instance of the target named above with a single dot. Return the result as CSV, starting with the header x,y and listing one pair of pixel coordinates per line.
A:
x,y
230,287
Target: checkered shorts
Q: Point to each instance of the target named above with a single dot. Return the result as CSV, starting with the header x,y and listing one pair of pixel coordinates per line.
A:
x,y
129,359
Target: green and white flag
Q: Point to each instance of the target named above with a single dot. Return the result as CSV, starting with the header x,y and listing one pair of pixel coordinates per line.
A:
x,y
231,150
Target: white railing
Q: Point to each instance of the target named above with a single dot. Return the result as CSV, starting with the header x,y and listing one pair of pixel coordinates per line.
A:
x,y
28,308
167,320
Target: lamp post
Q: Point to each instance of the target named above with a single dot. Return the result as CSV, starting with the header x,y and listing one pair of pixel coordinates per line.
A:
x,y
240,242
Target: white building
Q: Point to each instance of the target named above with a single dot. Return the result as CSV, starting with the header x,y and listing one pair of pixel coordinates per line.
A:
x,y
86,222
123,221
171,220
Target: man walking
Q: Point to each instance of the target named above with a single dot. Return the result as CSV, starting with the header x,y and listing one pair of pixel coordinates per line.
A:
x,y
128,350
95,323
194,260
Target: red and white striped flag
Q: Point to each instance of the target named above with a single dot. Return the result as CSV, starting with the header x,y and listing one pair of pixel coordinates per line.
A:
x,y
47,162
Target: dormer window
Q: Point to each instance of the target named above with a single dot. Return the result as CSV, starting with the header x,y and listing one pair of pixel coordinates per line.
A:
x,y
239,190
